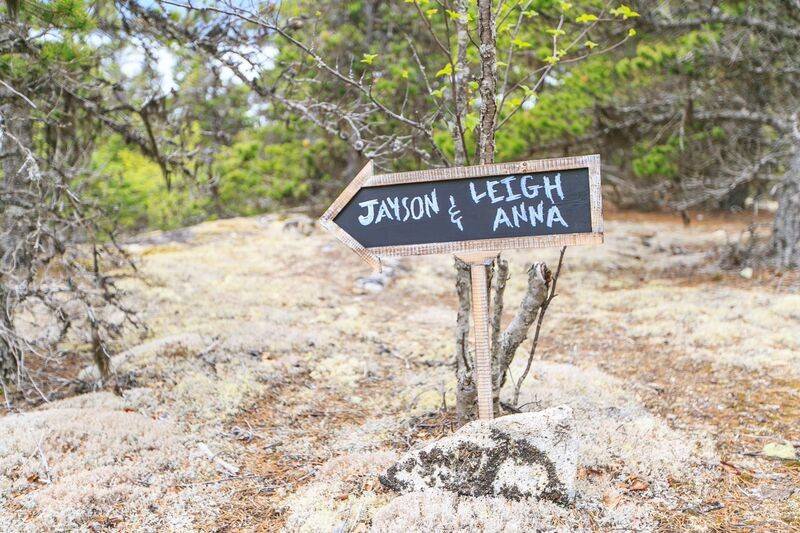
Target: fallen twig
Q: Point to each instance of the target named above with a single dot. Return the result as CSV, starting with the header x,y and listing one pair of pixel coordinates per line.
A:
x,y
220,480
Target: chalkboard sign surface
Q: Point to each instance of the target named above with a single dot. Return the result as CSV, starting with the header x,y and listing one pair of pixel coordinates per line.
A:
x,y
551,202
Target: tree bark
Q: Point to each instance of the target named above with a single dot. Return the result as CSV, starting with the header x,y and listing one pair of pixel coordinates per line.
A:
x,y
539,278
17,132
460,84
497,293
786,227
466,393
487,34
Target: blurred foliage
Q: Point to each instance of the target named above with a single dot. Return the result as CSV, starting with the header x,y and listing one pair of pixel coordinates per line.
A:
x,y
250,153
133,188
262,168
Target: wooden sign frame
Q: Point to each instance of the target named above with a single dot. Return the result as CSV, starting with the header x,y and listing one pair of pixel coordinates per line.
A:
x,y
365,178
477,252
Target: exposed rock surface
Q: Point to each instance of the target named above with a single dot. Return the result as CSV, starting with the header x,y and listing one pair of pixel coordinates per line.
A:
x,y
378,281
515,456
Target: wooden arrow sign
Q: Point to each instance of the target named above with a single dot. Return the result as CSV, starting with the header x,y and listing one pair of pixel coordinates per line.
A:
x,y
529,204
473,212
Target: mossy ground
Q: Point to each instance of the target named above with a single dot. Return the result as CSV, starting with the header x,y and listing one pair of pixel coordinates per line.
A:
x,y
263,349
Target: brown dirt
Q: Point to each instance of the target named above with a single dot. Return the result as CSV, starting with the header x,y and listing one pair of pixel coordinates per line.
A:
x,y
295,362
743,408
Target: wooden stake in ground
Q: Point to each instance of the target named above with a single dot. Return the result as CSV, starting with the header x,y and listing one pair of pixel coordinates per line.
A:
x,y
480,320
474,213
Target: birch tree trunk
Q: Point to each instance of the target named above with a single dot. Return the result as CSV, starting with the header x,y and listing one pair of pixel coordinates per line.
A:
x,y
786,228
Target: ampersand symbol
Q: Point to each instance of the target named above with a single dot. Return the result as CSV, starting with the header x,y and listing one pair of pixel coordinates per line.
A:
x,y
454,214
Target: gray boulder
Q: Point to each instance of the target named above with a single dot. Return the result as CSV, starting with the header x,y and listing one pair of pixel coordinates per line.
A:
x,y
515,456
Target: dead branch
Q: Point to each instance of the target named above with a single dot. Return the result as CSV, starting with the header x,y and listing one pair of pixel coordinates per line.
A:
x,y
542,312
517,330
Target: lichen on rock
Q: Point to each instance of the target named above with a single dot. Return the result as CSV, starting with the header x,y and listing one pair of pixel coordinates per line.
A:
x,y
527,455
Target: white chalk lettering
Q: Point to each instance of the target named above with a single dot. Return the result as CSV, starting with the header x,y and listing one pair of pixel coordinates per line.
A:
x,y
511,196
518,213
383,212
490,185
548,188
531,191
431,204
394,203
399,209
366,219
417,213
501,218
553,214
536,215
475,197
455,217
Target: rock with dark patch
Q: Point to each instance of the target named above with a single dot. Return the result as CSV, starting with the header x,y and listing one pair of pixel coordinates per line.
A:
x,y
516,456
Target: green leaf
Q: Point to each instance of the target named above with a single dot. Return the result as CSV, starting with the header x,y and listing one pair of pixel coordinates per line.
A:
x,y
631,32
431,12
589,44
530,13
467,17
404,74
473,85
438,93
551,60
367,59
445,70
585,18
566,6
625,12
471,121
556,31
519,43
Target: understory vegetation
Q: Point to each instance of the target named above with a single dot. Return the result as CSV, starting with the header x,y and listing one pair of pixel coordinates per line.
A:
x,y
183,347
122,116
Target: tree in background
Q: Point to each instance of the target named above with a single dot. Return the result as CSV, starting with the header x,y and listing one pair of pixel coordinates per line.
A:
x,y
277,104
55,102
407,84
708,100
745,82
